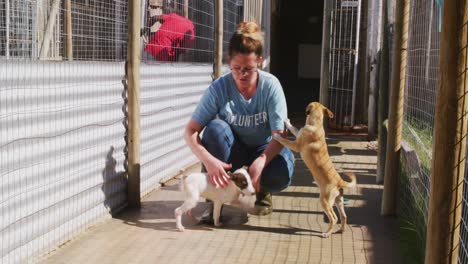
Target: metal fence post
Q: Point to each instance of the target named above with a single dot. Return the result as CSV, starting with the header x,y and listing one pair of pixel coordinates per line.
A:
x,y
325,70
374,63
218,52
395,119
382,114
133,74
449,150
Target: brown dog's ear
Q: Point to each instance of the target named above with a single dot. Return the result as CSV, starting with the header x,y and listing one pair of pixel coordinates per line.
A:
x,y
327,112
308,109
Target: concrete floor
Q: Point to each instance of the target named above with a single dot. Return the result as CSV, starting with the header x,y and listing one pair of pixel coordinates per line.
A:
x,y
291,234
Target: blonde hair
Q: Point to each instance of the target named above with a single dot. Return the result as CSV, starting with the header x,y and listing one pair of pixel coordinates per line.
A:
x,y
247,39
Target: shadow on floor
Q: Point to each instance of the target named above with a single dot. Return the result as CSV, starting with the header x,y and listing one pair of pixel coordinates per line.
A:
x,y
363,212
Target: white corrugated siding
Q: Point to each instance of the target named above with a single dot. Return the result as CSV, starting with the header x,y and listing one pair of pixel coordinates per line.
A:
x,y
58,123
169,94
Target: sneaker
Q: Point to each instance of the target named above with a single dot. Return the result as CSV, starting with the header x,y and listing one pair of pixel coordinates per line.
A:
x,y
207,215
263,204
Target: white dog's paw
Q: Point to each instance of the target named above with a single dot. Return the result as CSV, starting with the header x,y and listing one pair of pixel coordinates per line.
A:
x,y
218,224
276,136
287,122
325,235
181,228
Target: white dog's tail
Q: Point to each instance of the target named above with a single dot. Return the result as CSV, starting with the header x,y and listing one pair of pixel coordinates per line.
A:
x,y
346,184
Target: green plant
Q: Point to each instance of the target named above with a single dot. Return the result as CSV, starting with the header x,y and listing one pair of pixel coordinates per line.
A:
x,y
411,221
421,141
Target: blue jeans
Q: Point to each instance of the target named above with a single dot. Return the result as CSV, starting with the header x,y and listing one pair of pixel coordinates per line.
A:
x,y
219,139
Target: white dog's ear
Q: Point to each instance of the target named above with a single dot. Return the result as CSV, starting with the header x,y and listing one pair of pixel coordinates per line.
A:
x,y
245,168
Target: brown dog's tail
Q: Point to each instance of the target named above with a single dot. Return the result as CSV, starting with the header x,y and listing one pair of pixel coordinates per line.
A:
x,y
346,184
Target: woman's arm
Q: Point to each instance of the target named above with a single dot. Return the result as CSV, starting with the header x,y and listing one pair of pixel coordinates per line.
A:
x,y
272,149
215,168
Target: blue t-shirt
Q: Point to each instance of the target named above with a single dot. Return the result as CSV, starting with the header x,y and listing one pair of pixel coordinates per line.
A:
x,y
251,120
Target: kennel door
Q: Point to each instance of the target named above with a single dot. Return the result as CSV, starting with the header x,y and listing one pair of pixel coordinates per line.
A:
x,y
343,61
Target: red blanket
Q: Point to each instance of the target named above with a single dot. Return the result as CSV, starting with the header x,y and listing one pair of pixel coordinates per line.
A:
x,y
175,34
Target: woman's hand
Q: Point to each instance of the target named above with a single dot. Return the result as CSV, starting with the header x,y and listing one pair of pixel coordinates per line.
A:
x,y
216,170
255,170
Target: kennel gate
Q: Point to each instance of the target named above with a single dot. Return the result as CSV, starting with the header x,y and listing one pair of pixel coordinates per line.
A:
x,y
343,61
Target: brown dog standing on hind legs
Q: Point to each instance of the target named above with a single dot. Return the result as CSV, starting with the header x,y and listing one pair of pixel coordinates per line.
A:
x,y
310,143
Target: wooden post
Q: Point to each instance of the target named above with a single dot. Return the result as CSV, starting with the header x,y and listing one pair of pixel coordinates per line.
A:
x,y
49,29
449,150
68,30
218,52
186,8
395,119
133,72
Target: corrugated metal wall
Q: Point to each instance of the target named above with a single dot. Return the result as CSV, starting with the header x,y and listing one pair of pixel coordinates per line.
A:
x,y
62,144
61,151
169,94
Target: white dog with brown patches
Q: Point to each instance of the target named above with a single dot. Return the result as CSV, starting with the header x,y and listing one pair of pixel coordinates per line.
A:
x,y
198,185
310,143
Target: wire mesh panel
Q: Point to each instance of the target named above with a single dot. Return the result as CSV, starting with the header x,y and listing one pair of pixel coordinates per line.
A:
x,y
344,34
419,106
91,29
99,30
463,246
178,30
18,29
232,15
